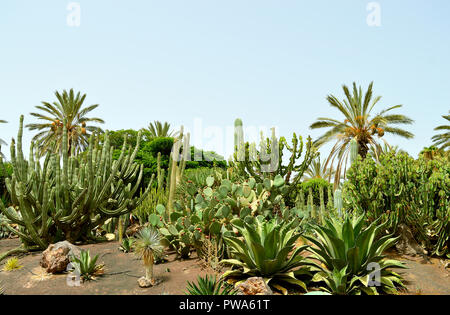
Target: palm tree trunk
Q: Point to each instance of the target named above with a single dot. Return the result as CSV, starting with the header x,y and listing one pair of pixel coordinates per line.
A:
x,y
362,149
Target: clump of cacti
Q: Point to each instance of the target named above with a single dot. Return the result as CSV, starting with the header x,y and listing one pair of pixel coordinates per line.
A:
x,y
402,190
68,196
266,163
208,211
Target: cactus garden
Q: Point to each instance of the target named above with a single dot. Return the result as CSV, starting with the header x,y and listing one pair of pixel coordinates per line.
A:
x,y
185,152
276,218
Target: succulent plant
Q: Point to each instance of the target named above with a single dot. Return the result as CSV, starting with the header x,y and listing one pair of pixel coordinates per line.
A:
x,y
69,200
346,252
87,267
209,285
267,250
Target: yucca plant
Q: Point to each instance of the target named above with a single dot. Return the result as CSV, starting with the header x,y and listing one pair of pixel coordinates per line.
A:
x,y
148,246
347,251
209,285
87,267
266,249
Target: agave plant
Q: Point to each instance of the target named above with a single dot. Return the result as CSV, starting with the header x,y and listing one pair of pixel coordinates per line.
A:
x,y
209,285
87,267
265,251
148,247
126,245
347,253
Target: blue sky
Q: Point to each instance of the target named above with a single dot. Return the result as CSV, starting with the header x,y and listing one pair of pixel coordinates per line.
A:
x,y
271,63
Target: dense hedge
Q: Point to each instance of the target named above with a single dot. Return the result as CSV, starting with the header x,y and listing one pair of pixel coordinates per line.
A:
x,y
149,148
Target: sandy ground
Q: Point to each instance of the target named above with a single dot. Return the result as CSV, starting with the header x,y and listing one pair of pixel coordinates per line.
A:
x,y
122,271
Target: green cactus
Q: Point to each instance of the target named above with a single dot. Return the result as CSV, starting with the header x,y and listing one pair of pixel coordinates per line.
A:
x,y
69,200
208,211
330,205
403,190
353,150
311,208
322,205
266,163
338,201
177,164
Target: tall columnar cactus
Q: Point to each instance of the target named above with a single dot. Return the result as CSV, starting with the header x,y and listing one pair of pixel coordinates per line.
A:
x,y
353,150
178,157
322,204
330,205
338,201
67,197
311,208
239,148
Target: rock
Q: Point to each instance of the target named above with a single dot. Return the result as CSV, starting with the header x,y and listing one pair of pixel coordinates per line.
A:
x,y
147,283
254,286
57,256
406,244
110,236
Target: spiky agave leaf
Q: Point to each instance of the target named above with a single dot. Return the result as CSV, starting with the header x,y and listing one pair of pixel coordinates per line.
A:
x,y
267,251
346,251
209,285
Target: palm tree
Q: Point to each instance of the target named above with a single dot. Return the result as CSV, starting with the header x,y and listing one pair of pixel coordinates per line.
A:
x,y
318,169
378,150
1,140
148,246
157,129
68,107
359,124
443,139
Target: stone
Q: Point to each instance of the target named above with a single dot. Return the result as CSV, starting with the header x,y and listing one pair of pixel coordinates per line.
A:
x,y
406,243
147,283
254,286
57,256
